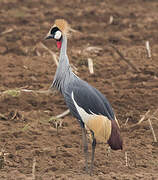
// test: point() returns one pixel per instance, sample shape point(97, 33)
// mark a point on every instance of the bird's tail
point(115, 140)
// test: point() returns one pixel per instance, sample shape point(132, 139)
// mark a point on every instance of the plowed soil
point(113, 34)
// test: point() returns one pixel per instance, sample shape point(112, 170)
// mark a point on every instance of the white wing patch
point(83, 114)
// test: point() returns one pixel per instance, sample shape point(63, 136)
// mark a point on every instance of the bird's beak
point(49, 36)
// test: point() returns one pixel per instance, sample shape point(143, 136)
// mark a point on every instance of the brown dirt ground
point(26, 135)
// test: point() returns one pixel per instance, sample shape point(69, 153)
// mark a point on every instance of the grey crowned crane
point(86, 103)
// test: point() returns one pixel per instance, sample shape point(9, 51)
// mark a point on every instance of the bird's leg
point(85, 146)
point(93, 151)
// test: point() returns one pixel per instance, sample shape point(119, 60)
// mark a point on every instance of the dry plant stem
point(14, 115)
point(155, 112)
point(154, 118)
point(92, 49)
point(123, 58)
point(153, 115)
point(143, 117)
point(90, 66)
point(38, 91)
point(126, 158)
point(38, 53)
point(111, 19)
point(34, 169)
point(148, 49)
point(3, 116)
point(7, 31)
point(151, 127)
point(126, 121)
point(46, 92)
point(73, 30)
point(51, 52)
point(63, 114)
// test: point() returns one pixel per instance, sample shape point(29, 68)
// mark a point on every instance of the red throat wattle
point(58, 44)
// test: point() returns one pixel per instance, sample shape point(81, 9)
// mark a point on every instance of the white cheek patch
point(57, 35)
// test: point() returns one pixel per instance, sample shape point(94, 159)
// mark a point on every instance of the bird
point(86, 103)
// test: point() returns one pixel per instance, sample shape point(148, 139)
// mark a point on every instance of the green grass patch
point(26, 127)
point(13, 93)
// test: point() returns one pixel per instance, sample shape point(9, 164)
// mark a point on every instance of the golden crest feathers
point(62, 25)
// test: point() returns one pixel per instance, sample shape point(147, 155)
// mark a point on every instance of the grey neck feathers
point(63, 50)
point(63, 73)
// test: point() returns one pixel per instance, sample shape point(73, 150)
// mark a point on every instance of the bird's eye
point(57, 35)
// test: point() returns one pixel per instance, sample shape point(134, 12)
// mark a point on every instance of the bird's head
point(57, 31)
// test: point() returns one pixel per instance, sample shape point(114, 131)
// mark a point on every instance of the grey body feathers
point(86, 96)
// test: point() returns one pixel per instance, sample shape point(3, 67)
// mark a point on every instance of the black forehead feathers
point(54, 29)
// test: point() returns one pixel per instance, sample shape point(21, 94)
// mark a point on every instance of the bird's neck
point(63, 69)
point(63, 49)
point(63, 58)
